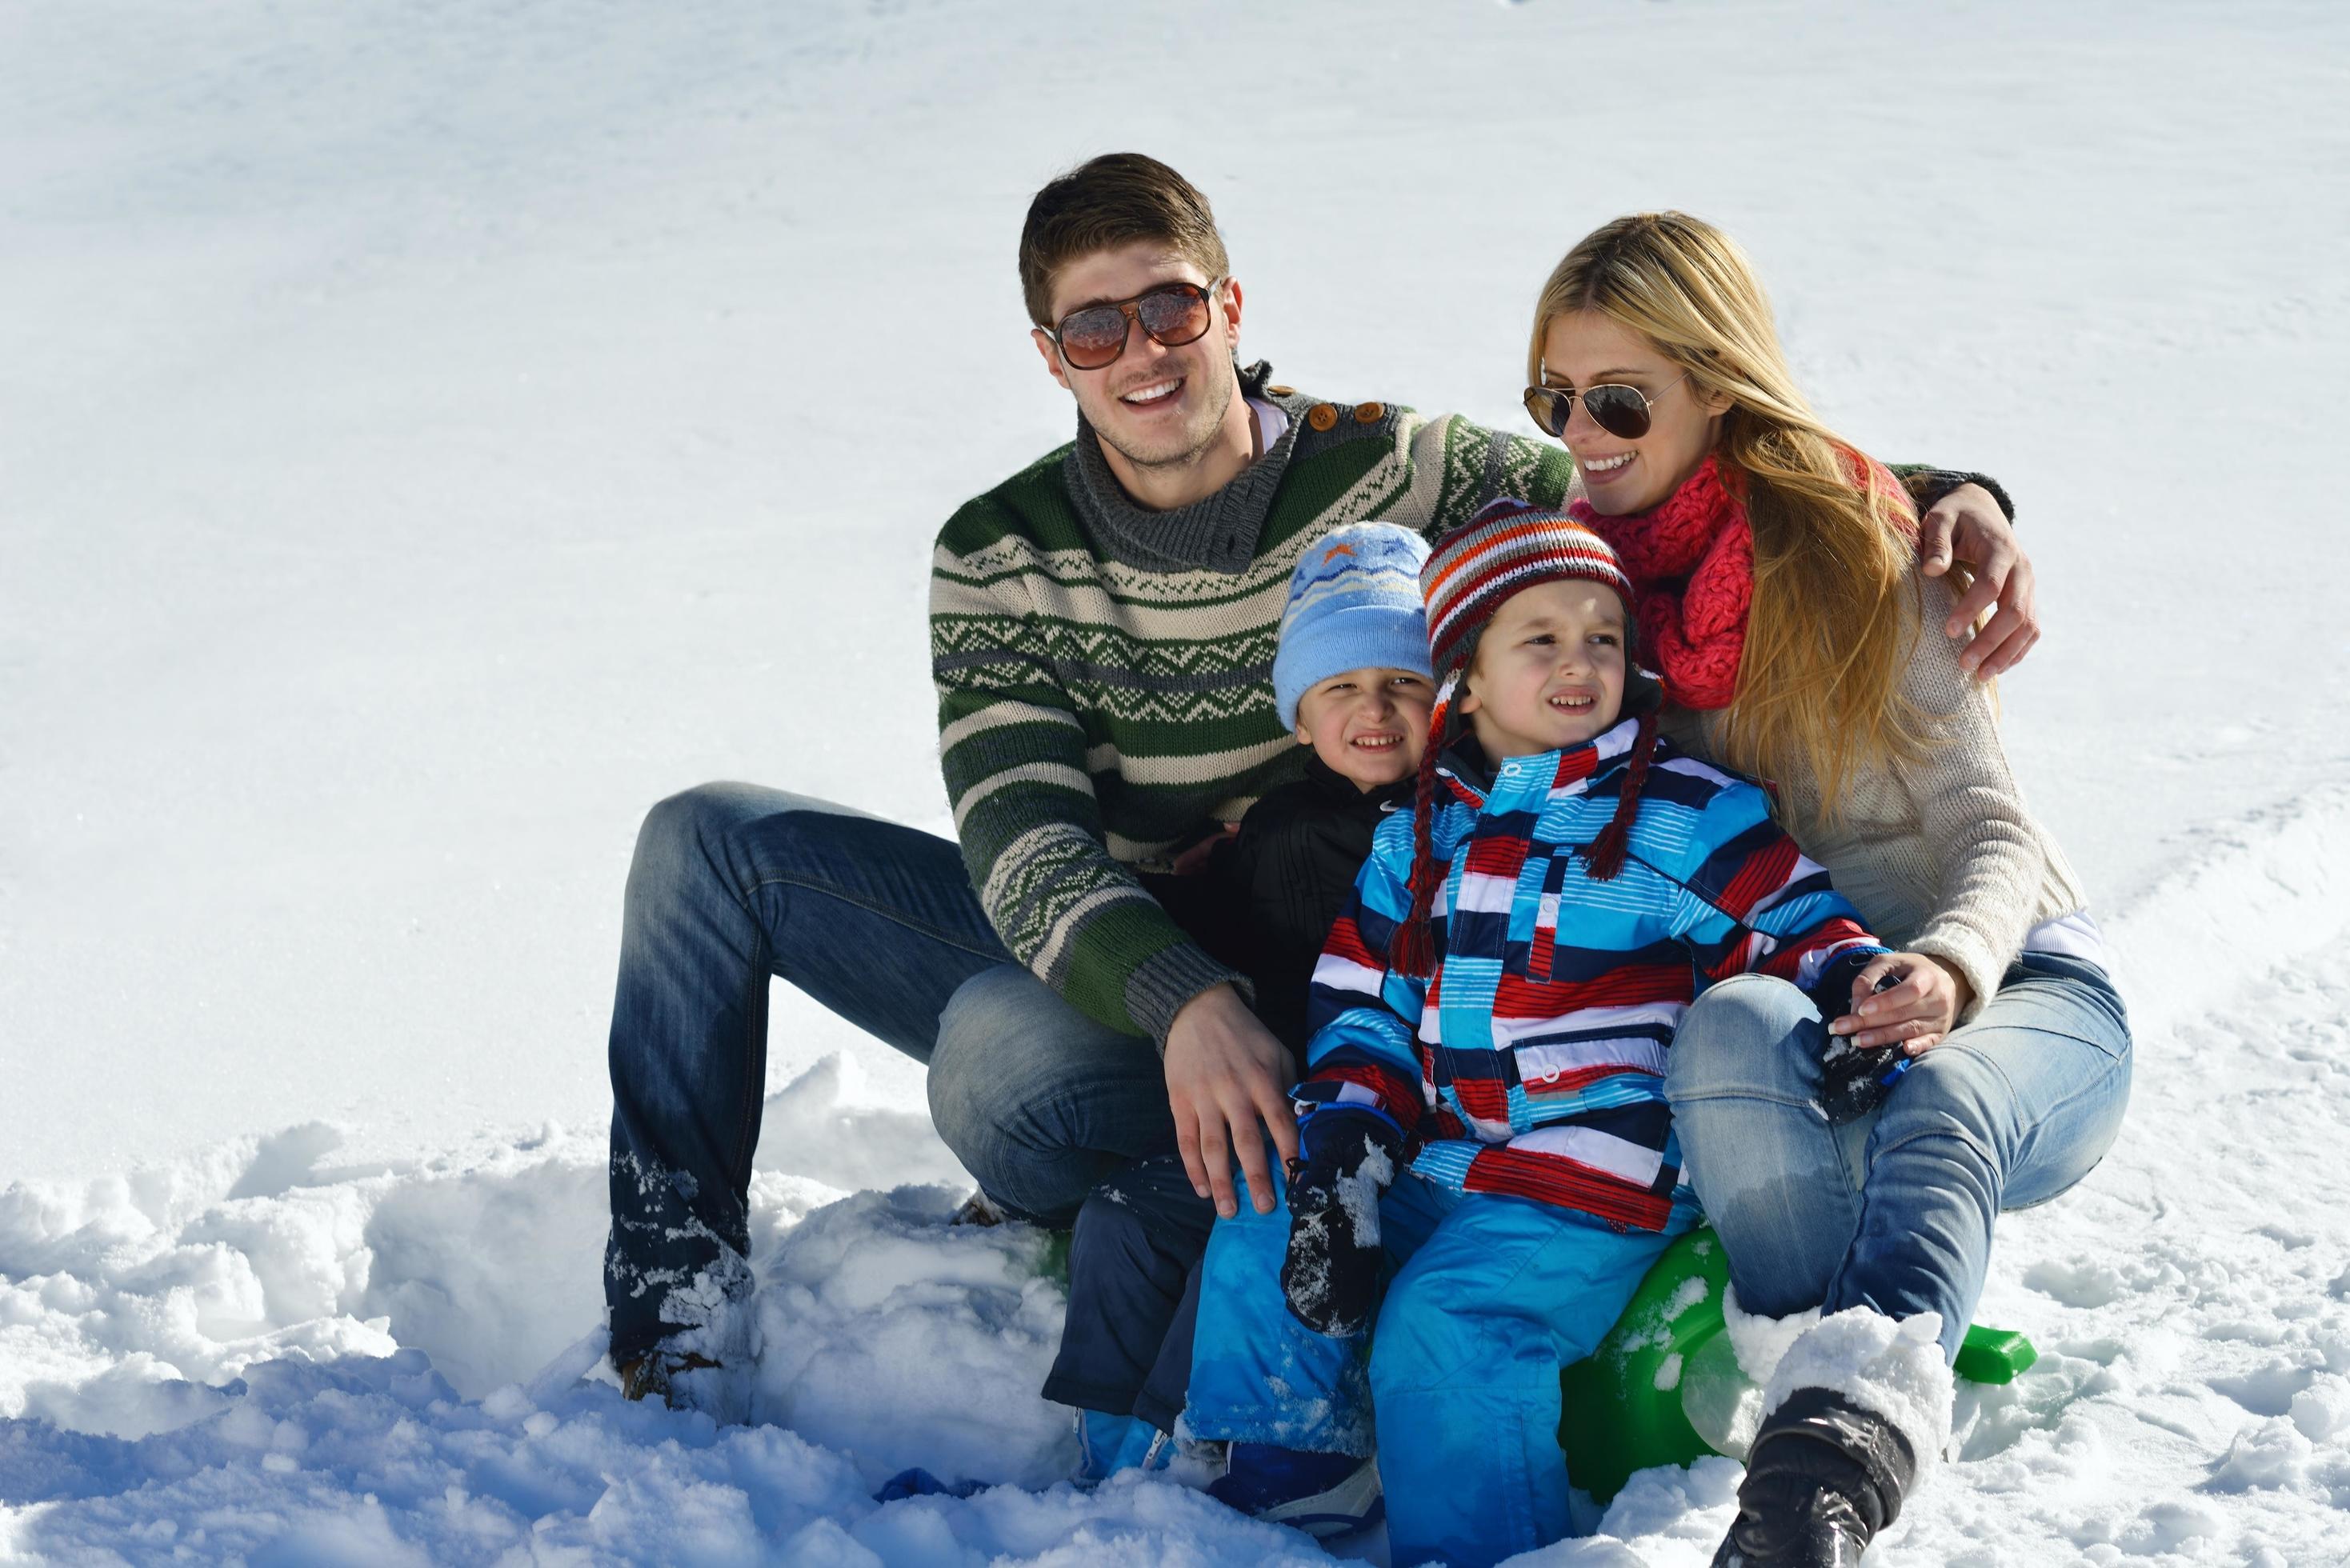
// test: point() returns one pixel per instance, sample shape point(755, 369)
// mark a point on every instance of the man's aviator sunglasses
point(1620, 410)
point(1173, 314)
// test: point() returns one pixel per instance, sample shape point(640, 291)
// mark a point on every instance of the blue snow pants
point(1489, 1298)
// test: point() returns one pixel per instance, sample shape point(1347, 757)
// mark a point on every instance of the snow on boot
point(1195, 1462)
point(978, 1208)
point(650, 1376)
point(1325, 1495)
point(1857, 1411)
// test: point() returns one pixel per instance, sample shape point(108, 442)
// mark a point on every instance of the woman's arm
point(1988, 859)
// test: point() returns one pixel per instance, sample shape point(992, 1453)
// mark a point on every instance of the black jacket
point(1267, 896)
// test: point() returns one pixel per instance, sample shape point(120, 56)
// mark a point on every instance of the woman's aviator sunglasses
point(1620, 410)
point(1173, 314)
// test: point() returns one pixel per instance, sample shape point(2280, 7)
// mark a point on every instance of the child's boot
point(1107, 1444)
point(1323, 1495)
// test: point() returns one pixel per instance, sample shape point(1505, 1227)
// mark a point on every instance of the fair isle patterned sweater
point(1104, 672)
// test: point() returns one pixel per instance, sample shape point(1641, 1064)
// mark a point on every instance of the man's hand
point(1967, 525)
point(1225, 1076)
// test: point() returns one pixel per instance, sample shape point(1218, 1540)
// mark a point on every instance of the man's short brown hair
point(1108, 202)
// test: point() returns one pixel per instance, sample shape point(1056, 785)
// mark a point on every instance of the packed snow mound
point(2245, 894)
point(119, 1295)
point(377, 1461)
point(403, 1364)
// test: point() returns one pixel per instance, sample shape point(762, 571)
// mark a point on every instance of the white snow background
point(430, 434)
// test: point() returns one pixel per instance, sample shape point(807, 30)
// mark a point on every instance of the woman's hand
point(1914, 1011)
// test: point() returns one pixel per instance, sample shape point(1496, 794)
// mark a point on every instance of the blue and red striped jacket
point(1532, 1061)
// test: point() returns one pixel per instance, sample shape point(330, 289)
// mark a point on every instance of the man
point(1102, 638)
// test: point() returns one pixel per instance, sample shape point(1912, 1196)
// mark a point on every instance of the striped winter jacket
point(1532, 1062)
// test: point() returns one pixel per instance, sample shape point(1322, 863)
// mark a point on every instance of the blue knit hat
point(1354, 604)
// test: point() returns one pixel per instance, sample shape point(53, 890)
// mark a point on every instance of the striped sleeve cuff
point(1164, 982)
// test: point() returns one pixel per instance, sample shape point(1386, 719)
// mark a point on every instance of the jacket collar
point(1341, 792)
point(1473, 778)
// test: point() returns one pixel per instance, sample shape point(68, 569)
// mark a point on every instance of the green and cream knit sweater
point(1104, 673)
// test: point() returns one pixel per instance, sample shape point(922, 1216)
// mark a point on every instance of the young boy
point(1483, 1111)
point(1350, 675)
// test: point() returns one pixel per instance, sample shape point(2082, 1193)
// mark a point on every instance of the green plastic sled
point(1667, 1370)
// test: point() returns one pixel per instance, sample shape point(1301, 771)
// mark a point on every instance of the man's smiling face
point(1157, 406)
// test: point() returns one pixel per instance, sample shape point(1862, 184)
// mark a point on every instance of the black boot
point(1824, 1477)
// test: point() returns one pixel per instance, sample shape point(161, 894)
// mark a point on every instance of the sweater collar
point(1218, 534)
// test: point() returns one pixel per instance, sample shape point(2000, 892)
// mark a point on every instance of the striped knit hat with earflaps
point(1508, 548)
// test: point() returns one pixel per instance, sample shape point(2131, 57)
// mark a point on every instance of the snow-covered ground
point(430, 434)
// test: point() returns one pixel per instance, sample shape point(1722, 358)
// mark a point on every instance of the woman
point(1774, 564)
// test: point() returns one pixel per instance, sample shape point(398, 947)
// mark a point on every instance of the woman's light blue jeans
point(732, 884)
point(1893, 1211)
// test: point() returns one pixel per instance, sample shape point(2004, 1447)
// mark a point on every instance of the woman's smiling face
point(1587, 349)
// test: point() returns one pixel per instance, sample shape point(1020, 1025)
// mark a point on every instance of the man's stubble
point(1194, 441)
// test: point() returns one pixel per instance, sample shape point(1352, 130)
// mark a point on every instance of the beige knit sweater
point(1940, 855)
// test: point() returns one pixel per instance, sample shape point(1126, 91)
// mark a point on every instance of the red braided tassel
point(1605, 855)
point(1412, 951)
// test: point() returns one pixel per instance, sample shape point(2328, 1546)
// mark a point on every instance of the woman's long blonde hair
point(1834, 607)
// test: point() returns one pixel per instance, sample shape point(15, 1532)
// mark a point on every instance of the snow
point(1360, 1194)
point(431, 435)
point(1761, 1342)
point(1895, 1369)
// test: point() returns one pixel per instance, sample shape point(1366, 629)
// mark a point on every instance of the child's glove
point(1331, 1275)
point(1854, 1079)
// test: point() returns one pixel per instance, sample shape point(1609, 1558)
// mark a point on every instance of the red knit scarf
point(1692, 562)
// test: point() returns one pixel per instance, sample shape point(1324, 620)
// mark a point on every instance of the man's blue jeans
point(732, 884)
point(1893, 1211)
